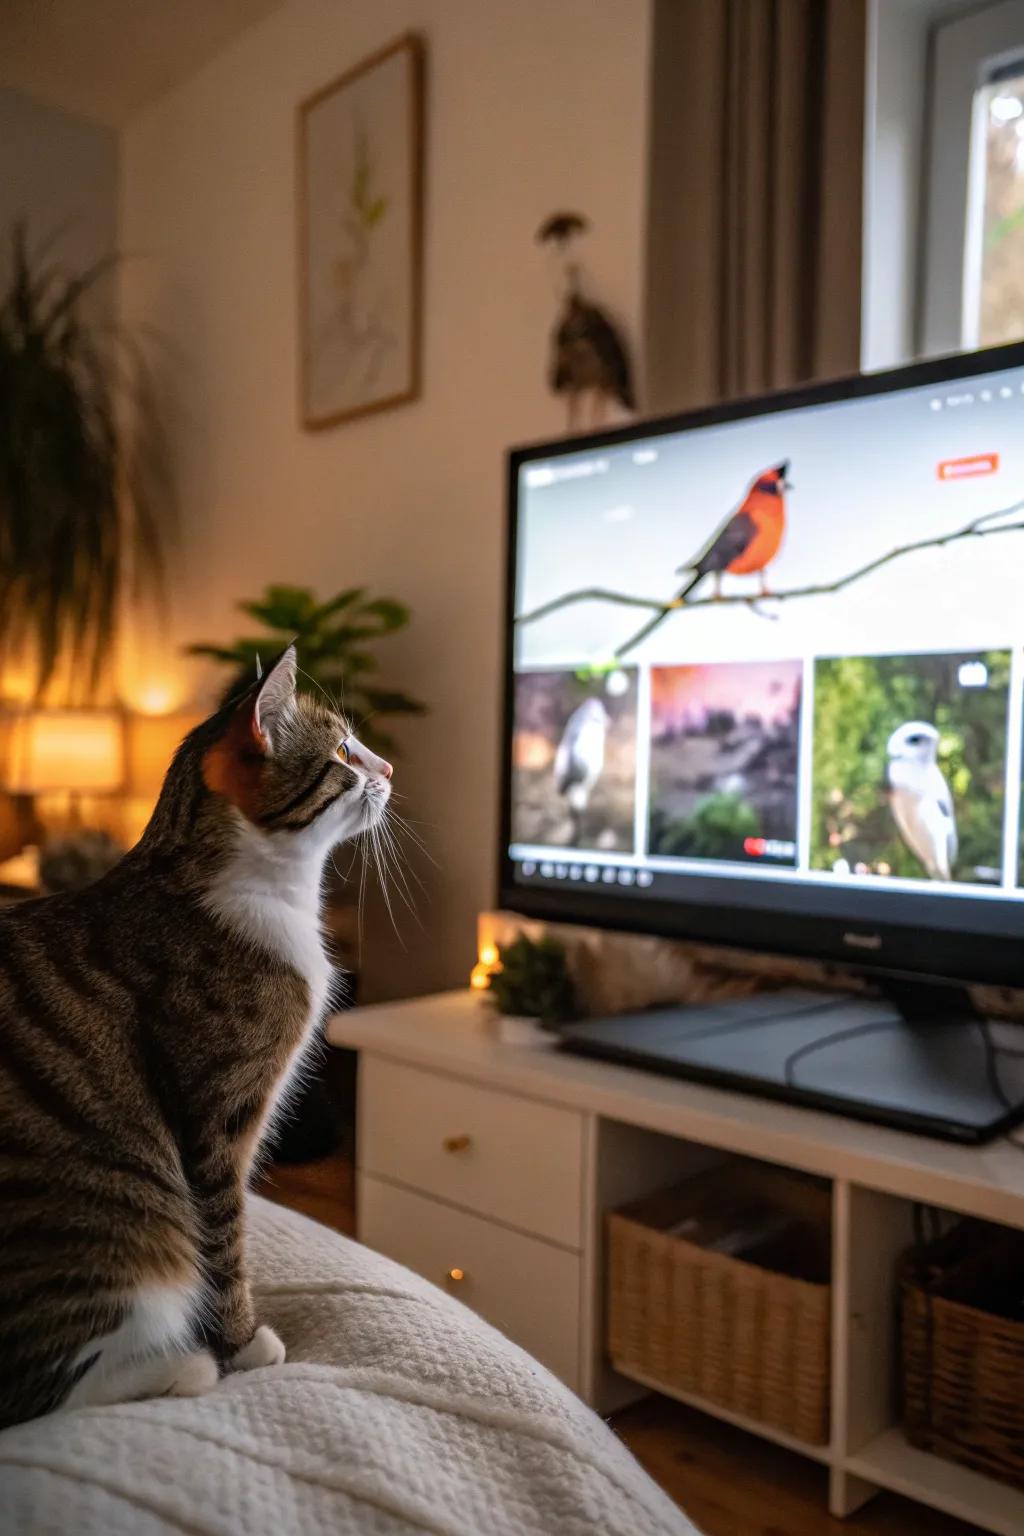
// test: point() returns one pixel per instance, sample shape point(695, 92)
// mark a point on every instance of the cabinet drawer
point(526, 1288)
point(505, 1157)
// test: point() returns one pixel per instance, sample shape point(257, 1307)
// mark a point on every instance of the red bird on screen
point(749, 539)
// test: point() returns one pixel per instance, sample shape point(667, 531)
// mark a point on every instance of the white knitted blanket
point(398, 1411)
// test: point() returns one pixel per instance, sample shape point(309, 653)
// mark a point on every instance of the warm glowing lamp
point(151, 743)
point(155, 698)
point(488, 964)
point(60, 752)
point(69, 751)
point(488, 956)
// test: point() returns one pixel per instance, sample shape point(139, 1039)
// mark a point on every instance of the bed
point(398, 1411)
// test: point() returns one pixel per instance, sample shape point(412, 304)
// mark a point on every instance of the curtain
point(754, 196)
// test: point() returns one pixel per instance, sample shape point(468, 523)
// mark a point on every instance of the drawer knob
point(455, 1276)
point(456, 1143)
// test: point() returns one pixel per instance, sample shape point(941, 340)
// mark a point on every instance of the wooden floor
point(324, 1190)
point(730, 1483)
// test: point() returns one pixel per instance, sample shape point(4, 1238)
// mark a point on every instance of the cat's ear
point(274, 699)
point(232, 766)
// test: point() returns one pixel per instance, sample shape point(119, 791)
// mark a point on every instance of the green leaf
point(288, 609)
point(393, 615)
point(1004, 226)
point(375, 212)
point(336, 604)
point(339, 639)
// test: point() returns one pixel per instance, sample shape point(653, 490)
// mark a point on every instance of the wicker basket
point(745, 1337)
point(962, 1327)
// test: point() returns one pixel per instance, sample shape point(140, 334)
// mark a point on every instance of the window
point(993, 298)
point(973, 256)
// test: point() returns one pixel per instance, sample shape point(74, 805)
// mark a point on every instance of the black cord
point(992, 1050)
point(849, 1033)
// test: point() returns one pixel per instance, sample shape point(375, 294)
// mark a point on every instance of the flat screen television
point(765, 674)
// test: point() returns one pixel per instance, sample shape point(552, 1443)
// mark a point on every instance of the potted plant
point(84, 486)
point(532, 980)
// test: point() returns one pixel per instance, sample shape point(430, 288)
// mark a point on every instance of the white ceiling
point(104, 59)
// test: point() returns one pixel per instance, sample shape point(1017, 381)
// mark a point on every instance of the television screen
point(769, 660)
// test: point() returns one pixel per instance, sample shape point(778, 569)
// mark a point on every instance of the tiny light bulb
point(488, 955)
point(155, 699)
point(479, 978)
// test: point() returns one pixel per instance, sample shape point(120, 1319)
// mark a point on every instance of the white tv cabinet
point(488, 1167)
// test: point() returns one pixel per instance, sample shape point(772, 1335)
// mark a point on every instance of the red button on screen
point(965, 469)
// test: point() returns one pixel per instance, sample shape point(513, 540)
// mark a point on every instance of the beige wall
point(532, 105)
point(58, 175)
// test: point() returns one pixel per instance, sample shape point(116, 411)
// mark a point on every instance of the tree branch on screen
point(979, 528)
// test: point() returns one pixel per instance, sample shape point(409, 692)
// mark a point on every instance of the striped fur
point(147, 1027)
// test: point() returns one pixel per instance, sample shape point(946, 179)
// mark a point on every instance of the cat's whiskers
point(383, 870)
point(361, 900)
point(403, 868)
point(402, 828)
point(390, 860)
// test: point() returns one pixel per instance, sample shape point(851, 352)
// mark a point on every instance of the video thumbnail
point(724, 761)
point(910, 765)
point(574, 759)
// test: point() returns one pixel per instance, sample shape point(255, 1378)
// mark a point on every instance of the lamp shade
point(77, 751)
point(152, 741)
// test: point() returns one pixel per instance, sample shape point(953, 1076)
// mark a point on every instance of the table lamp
point(60, 752)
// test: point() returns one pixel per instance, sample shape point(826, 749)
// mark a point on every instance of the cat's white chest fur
point(269, 893)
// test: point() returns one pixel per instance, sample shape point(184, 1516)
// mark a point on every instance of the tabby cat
point(148, 1027)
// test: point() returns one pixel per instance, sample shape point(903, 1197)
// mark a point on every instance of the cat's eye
point(343, 752)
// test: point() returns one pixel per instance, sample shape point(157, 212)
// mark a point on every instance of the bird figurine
point(749, 539)
point(561, 229)
point(589, 360)
point(579, 757)
point(919, 797)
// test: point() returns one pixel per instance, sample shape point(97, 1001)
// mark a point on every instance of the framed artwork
point(360, 182)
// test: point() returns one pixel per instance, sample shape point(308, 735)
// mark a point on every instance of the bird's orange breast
point(764, 546)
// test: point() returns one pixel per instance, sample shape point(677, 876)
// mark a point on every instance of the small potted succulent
point(531, 980)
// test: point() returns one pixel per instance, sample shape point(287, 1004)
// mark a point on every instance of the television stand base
point(918, 1059)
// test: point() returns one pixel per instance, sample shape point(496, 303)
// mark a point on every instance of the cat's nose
point(362, 757)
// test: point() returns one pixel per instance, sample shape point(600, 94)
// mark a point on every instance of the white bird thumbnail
point(580, 755)
point(919, 796)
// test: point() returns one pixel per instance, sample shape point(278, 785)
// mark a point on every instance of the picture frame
point(359, 174)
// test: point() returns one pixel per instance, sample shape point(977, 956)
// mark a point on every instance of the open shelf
point(892, 1463)
point(820, 1453)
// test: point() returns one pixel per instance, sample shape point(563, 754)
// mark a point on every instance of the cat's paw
point(193, 1375)
point(264, 1348)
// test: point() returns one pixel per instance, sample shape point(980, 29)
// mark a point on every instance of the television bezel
point(885, 948)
